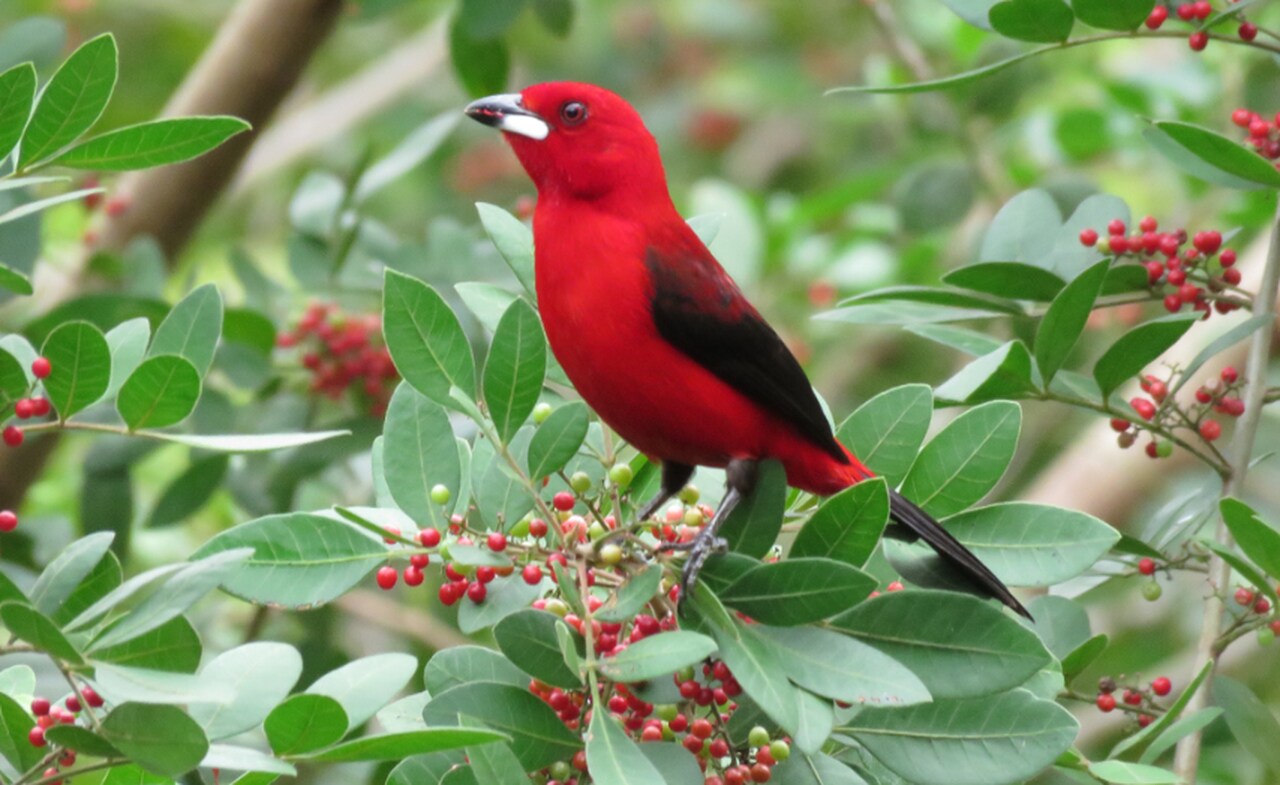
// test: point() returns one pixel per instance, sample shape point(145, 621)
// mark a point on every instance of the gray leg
point(740, 481)
point(674, 477)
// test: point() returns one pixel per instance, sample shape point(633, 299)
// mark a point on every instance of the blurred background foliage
point(818, 198)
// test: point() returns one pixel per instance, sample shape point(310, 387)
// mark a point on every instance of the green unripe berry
point(540, 414)
point(596, 530)
point(557, 606)
point(610, 554)
point(560, 770)
point(684, 674)
point(666, 711)
point(621, 475)
point(580, 482)
point(521, 529)
point(693, 517)
point(1266, 636)
point(1164, 449)
point(780, 750)
point(689, 494)
point(443, 550)
point(758, 737)
point(1103, 245)
point(440, 494)
point(1151, 591)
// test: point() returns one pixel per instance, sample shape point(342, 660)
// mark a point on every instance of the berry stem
point(1187, 756)
point(1145, 707)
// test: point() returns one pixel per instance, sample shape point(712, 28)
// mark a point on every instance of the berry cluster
point(1198, 276)
point(1133, 699)
point(47, 714)
point(1151, 590)
point(29, 407)
point(344, 352)
point(1264, 134)
point(1196, 13)
point(1253, 600)
point(1160, 413)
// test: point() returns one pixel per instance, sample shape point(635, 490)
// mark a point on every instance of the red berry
point(448, 594)
point(563, 501)
point(760, 773)
point(1202, 9)
point(41, 406)
point(40, 706)
point(1244, 596)
point(1088, 237)
point(719, 748)
point(1161, 685)
point(1210, 430)
point(91, 696)
point(538, 527)
point(765, 755)
point(1203, 395)
point(13, 436)
point(1188, 292)
point(1173, 303)
point(497, 541)
point(485, 574)
point(701, 728)
point(1207, 242)
point(392, 533)
point(420, 560)
point(1198, 41)
point(1248, 31)
point(532, 574)
point(386, 577)
point(476, 592)
point(1144, 407)
point(651, 733)
point(429, 538)
point(1152, 450)
point(1116, 226)
point(41, 368)
point(1147, 566)
point(1227, 258)
point(1147, 224)
point(8, 521)
point(1158, 390)
point(1154, 271)
point(1242, 117)
point(1230, 275)
point(36, 737)
point(692, 744)
point(735, 776)
point(24, 408)
point(1177, 277)
point(1157, 17)
point(1229, 375)
point(1132, 698)
point(1186, 12)
point(1144, 720)
point(1259, 128)
point(1232, 407)
point(413, 575)
point(1119, 244)
point(1262, 606)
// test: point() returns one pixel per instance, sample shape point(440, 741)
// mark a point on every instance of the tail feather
point(923, 527)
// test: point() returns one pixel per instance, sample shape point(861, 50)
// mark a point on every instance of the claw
point(700, 549)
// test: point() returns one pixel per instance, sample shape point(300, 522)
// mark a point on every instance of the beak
point(507, 113)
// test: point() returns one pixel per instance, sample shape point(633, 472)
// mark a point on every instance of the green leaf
point(365, 685)
point(676, 765)
point(514, 369)
point(798, 591)
point(505, 597)
point(1210, 156)
point(406, 156)
point(28, 624)
point(657, 655)
point(958, 645)
point(537, 736)
point(15, 281)
point(495, 763)
point(528, 639)
point(81, 364)
point(17, 95)
point(304, 723)
point(13, 380)
point(953, 80)
point(886, 432)
point(846, 527)
point(555, 15)
point(161, 739)
point(18, 682)
point(628, 599)
point(419, 453)
point(40, 205)
point(67, 570)
point(130, 774)
point(1065, 320)
point(803, 769)
point(1113, 14)
point(480, 63)
point(514, 242)
point(1013, 280)
point(1061, 623)
point(488, 18)
point(613, 758)
point(120, 683)
point(189, 491)
point(162, 391)
point(1005, 738)
point(152, 144)
point(252, 678)
point(460, 665)
point(1074, 663)
point(1028, 544)
point(82, 740)
point(393, 746)
point(192, 328)
point(128, 343)
point(1217, 346)
point(1122, 772)
point(1004, 373)
point(172, 646)
point(229, 757)
point(425, 339)
point(248, 442)
point(433, 769)
point(1024, 230)
point(932, 295)
point(1132, 351)
point(965, 461)
point(1249, 719)
point(1260, 542)
point(557, 439)
point(1192, 723)
point(15, 724)
point(842, 668)
point(752, 527)
point(1041, 21)
point(72, 101)
point(299, 559)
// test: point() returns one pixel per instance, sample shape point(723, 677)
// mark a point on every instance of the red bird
point(652, 331)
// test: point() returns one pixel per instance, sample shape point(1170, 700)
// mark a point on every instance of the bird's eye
point(573, 112)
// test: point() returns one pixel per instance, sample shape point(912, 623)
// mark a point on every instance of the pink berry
point(1229, 375)
point(1244, 596)
point(36, 737)
point(41, 368)
point(429, 538)
point(497, 541)
point(531, 574)
point(1210, 430)
point(1088, 237)
point(563, 501)
point(1144, 407)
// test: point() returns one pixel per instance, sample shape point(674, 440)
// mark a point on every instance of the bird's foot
point(700, 549)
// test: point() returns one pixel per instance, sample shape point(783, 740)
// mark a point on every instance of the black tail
point(921, 526)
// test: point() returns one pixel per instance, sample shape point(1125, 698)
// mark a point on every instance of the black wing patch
point(698, 309)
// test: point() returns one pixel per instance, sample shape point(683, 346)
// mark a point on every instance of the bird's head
point(576, 140)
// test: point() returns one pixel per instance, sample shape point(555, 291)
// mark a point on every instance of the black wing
point(700, 310)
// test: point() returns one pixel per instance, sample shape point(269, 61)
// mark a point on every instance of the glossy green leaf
point(798, 591)
point(30, 625)
point(434, 768)
point(128, 343)
point(537, 736)
point(557, 439)
point(305, 723)
point(17, 95)
point(252, 679)
point(160, 739)
point(1002, 374)
point(843, 668)
point(393, 746)
point(528, 639)
point(162, 391)
point(72, 101)
point(847, 526)
point(172, 646)
point(505, 597)
point(419, 453)
point(886, 432)
point(130, 774)
point(1024, 230)
point(959, 645)
point(952, 80)
point(752, 527)
point(61, 577)
point(15, 724)
point(460, 665)
point(189, 491)
point(14, 281)
point(932, 295)
point(82, 740)
point(514, 242)
point(1074, 663)
point(151, 144)
point(1250, 720)
point(514, 368)
point(367, 684)
point(1113, 14)
point(299, 559)
point(613, 758)
point(1004, 738)
point(1192, 723)
point(1210, 156)
point(119, 684)
point(819, 769)
point(1060, 622)
point(495, 763)
point(249, 442)
point(1120, 772)
point(1028, 544)
point(965, 461)
point(426, 340)
point(1134, 350)
point(629, 598)
point(657, 655)
point(192, 328)
point(230, 757)
point(1041, 21)
point(81, 363)
point(13, 380)
point(1012, 280)
point(1260, 542)
point(1064, 321)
